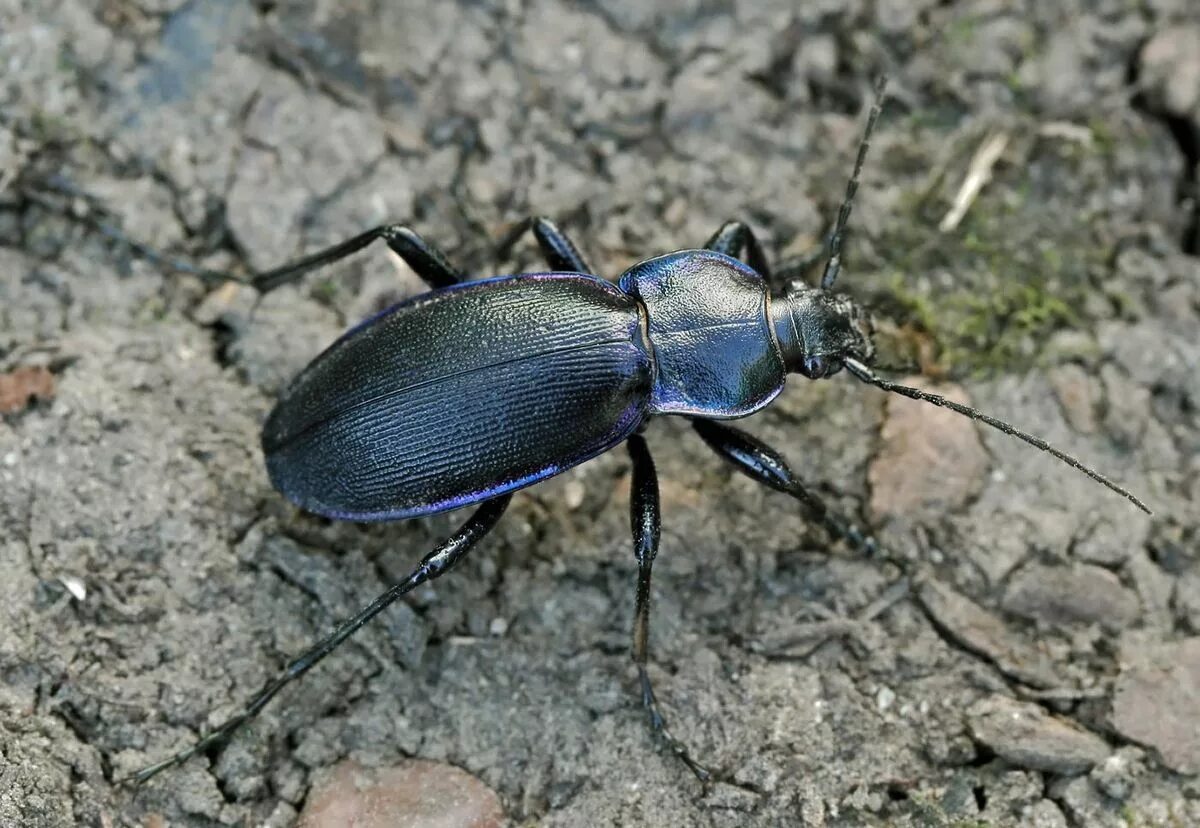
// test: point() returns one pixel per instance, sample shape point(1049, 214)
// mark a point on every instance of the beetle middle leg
point(759, 461)
point(436, 563)
point(427, 261)
point(736, 237)
point(645, 516)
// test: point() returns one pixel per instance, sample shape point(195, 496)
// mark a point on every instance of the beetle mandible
point(476, 389)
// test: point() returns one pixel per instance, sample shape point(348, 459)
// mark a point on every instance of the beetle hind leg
point(560, 252)
point(426, 260)
point(645, 517)
point(436, 563)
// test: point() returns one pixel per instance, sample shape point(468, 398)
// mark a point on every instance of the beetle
point(478, 388)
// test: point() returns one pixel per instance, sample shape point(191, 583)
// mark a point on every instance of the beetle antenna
point(868, 376)
point(834, 264)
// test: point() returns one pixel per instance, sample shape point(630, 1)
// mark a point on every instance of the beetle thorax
point(817, 329)
point(707, 328)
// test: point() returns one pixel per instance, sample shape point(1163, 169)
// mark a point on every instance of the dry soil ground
point(1024, 652)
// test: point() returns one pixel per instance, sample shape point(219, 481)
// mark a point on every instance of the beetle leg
point(436, 563)
point(736, 237)
point(644, 515)
point(797, 267)
point(560, 252)
point(426, 260)
point(761, 462)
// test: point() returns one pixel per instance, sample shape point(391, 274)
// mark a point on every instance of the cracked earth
point(1024, 650)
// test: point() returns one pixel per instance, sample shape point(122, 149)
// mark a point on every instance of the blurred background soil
point(1026, 650)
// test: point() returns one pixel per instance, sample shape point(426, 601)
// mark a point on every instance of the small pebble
point(22, 386)
point(1081, 594)
point(1115, 775)
point(982, 632)
point(1156, 701)
point(930, 460)
point(414, 794)
point(885, 698)
point(1029, 737)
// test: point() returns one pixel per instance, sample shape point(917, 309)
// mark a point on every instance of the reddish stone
point(414, 794)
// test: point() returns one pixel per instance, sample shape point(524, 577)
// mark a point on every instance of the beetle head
point(818, 329)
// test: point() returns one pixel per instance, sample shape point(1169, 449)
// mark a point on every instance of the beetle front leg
point(436, 563)
point(736, 237)
point(645, 517)
point(560, 252)
point(427, 261)
point(796, 268)
point(762, 463)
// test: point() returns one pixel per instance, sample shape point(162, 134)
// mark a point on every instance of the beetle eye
point(815, 367)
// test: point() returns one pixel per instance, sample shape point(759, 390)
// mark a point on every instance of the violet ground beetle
point(400, 416)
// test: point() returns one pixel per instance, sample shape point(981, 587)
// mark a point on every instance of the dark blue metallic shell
point(459, 395)
point(714, 346)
